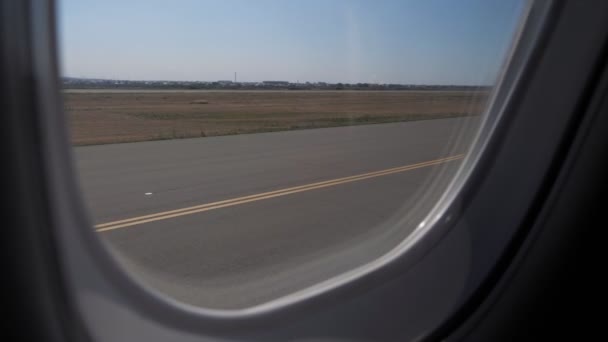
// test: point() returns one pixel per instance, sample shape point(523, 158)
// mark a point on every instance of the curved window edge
point(72, 215)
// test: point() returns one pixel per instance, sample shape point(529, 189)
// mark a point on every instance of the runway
point(234, 221)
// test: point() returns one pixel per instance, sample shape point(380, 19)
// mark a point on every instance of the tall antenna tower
point(235, 77)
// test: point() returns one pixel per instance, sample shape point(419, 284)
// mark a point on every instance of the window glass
point(234, 152)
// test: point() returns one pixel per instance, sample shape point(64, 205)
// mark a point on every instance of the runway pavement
point(234, 221)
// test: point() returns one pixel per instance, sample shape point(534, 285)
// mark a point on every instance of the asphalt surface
point(254, 251)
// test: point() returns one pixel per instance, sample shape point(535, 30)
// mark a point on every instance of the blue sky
point(375, 41)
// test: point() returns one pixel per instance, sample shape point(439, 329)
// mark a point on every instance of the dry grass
point(110, 117)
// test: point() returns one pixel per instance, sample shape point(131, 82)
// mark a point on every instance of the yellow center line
point(265, 195)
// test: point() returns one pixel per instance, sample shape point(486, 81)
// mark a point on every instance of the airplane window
point(235, 152)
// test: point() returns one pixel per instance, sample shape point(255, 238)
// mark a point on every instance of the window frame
point(105, 278)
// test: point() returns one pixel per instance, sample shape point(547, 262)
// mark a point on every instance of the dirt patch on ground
point(113, 117)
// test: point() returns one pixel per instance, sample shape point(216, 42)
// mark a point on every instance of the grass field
point(104, 117)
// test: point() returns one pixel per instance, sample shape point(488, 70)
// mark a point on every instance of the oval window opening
point(235, 152)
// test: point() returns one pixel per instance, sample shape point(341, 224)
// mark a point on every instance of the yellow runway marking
point(265, 195)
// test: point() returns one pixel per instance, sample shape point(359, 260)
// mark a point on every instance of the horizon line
point(290, 82)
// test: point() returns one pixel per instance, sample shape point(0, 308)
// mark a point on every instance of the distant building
point(276, 83)
point(224, 82)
